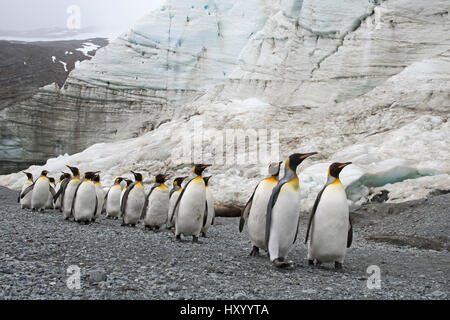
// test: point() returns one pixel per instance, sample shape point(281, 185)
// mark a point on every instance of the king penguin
point(112, 199)
point(329, 223)
point(63, 181)
point(283, 212)
point(210, 204)
point(156, 206)
point(100, 196)
point(84, 204)
point(25, 201)
point(68, 193)
point(173, 197)
point(190, 211)
point(49, 204)
point(41, 192)
point(256, 208)
point(133, 201)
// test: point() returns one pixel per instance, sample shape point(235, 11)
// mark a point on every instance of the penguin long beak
point(307, 155)
point(344, 165)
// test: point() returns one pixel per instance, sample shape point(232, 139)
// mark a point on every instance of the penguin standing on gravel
point(256, 208)
point(156, 205)
point(68, 193)
point(100, 196)
point(283, 212)
point(49, 204)
point(173, 197)
point(190, 211)
point(112, 199)
point(41, 191)
point(63, 181)
point(210, 204)
point(133, 201)
point(329, 223)
point(25, 201)
point(84, 204)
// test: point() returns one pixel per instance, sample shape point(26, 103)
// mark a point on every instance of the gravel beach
point(409, 243)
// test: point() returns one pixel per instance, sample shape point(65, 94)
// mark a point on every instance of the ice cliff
point(355, 80)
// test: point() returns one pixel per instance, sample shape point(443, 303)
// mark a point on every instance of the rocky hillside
point(24, 68)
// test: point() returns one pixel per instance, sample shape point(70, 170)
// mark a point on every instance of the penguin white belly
point(329, 229)
point(135, 204)
point(284, 220)
point(158, 207)
point(113, 201)
point(172, 202)
point(40, 194)
point(84, 206)
point(210, 204)
point(68, 197)
point(100, 199)
point(257, 217)
point(57, 204)
point(25, 202)
point(189, 220)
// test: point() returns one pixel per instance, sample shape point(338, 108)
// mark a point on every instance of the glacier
point(355, 80)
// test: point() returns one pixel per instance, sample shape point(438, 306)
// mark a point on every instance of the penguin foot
point(195, 240)
point(178, 237)
point(203, 235)
point(281, 263)
point(337, 265)
point(254, 252)
point(310, 262)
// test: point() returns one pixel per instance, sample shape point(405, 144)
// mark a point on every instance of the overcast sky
point(107, 14)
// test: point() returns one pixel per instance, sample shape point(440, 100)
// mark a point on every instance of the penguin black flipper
point(125, 198)
point(28, 189)
point(350, 233)
point(178, 200)
point(106, 195)
point(172, 191)
point(96, 206)
point(214, 217)
point(144, 209)
point(296, 233)
point(246, 211)
point(272, 200)
point(313, 212)
point(205, 215)
point(74, 199)
point(63, 186)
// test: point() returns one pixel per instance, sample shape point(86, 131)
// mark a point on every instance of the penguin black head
point(160, 178)
point(178, 181)
point(199, 168)
point(89, 175)
point(118, 180)
point(274, 168)
point(74, 170)
point(295, 159)
point(128, 181)
point(137, 176)
point(65, 176)
point(336, 168)
point(44, 173)
point(206, 179)
point(96, 178)
point(52, 180)
point(29, 175)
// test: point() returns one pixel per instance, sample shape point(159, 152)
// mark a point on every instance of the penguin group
point(272, 213)
point(273, 216)
point(188, 208)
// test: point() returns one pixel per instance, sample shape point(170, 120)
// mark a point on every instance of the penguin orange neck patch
point(336, 182)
